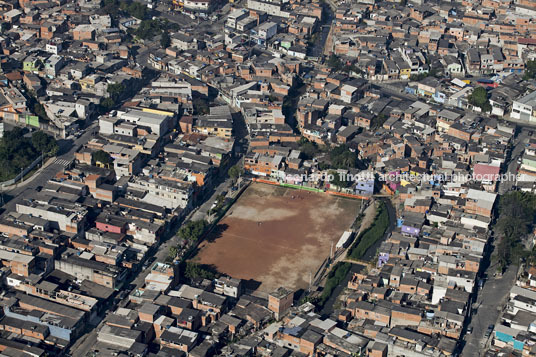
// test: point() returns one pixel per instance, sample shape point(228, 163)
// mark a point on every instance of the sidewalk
point(27, 181)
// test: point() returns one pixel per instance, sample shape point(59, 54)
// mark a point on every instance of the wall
point(24, 172)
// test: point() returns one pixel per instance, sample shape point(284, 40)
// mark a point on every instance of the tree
point(165, 40)
point(342, 158)
point(135, 9)
point(39, 110)
point(192, 230)
point(479, 98)
point(517, 212)
point(173, 252)
point(334, 62)
point(530, 70)
point(44, 143)
point(115, 90)
point(108, 103)
point(235, 171)
point(197, 271)
point(102, 157)
point(308, 149)
point(200, 105)
point(378, 121)
point(16, 152)
point(338, 179)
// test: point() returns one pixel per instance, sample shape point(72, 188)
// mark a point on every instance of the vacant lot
point(277, 236)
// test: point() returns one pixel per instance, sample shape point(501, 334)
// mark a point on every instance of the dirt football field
point(276, 236)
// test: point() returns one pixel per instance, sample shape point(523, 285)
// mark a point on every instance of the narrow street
point(490, 299)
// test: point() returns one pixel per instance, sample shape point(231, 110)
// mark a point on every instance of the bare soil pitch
point(276, 240)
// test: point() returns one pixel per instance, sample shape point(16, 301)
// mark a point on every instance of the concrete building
point(524, 108)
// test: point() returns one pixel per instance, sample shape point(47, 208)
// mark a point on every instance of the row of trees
point(192, 231)
point(18, 151)
point(335, 277)
point(193, 270)
point(371, 235)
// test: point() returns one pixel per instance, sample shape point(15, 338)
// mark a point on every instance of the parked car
point(470, 330)
point(489, 331)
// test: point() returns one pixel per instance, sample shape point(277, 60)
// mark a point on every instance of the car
point(470, 330)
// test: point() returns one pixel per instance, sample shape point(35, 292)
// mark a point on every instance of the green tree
point(338, 179)
point(134, 8)
point(378, 121)
point(44, 143)
point(517, 212)
point(194, 270)
point(371, 235)
point(342, 158)
point(530, 70)
point(16, 153)
point(173, 252)
point(110, 7)
point(102, 157)
point(108, 103)
point(39, 110)
point(335, 277)
point(192, 230)
point(479, 98)
point(334, 62)
point(308, 149)
point(165, 40)
point(235, 171)
point(115, 90)
point(200, 105)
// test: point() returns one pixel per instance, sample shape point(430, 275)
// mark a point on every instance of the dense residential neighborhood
point(267, 178)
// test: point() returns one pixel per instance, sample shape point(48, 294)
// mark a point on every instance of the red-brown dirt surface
point(277, 240)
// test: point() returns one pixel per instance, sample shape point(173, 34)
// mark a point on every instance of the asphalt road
point(519, 145)
point(492, 296)
point(41, 177)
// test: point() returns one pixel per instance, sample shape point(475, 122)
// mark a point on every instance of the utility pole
point(21, 176)
point(310, 280)
point(331, 251)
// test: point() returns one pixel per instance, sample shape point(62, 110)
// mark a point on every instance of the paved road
point(317, 50)
point(41, 177)
point(519, 145)
point(493, 296)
